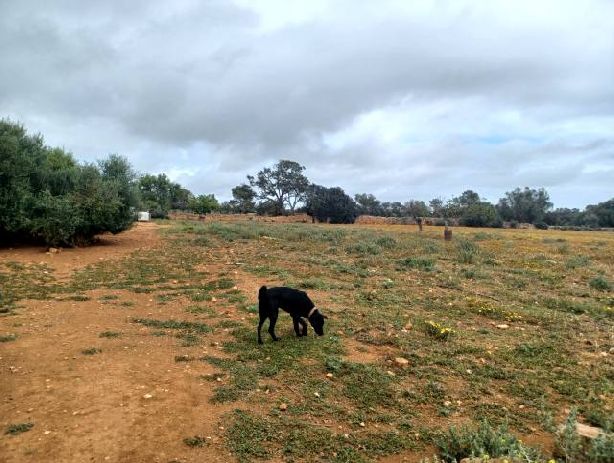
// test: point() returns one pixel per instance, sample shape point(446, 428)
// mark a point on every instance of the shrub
point(541, 225)
point(46, 196)
point(485, 441)
point(467, 251)
point(599, 283)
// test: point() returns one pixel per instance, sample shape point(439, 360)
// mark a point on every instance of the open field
point(143, 348)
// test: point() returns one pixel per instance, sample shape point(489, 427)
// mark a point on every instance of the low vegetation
point(498, 332)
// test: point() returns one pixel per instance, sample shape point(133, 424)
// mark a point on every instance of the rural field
point(143, 348)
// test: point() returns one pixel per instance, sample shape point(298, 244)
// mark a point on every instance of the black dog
point(293, 301)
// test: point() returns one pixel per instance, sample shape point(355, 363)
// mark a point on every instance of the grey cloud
point(152, 79)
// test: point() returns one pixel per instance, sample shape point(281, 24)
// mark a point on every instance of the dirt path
point(130, 402)
point(142, 236)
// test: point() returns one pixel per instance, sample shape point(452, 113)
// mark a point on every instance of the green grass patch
point(196, 327)
point(20, 428)
point(91, 351)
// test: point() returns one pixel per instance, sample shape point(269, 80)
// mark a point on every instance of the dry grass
point(528, 317)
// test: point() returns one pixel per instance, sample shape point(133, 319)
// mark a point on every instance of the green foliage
point(174, 325)
point(243, 197)
point(485, 441)
point(480, 214)
point(467, 251)
point(18, 428)
point(527, 205)
point(438, 331)
point(159, 195)
point(599, 283)
point(203, 204)
point(425, 264)
point(330, 205)
point(46, 196)
point(282, 186)
point(195, 441)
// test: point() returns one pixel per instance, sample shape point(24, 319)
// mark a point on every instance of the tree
point(481, 214)
point(46, 196)
point(180, 197)
point(156, 194)
point(456, 206)
point(416, 209)
point(527, 206)
point(243, 198)
point(284, 184)
point(367, 204)
point(203, 204)
point(602, 212)
point(437, 207)
point(564, 216)
point(330, 205)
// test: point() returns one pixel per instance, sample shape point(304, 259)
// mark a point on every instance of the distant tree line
point(47, 196)
point(284, 189)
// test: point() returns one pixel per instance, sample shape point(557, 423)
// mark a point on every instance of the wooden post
point(447, 233)
point(419, 220)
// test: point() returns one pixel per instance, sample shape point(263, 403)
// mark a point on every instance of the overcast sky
point(402, 99)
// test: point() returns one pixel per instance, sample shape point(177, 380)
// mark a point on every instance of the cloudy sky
point(403, 99)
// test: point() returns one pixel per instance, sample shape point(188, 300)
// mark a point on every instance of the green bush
point(46, 196)
point(485, 441)
point(599, 283)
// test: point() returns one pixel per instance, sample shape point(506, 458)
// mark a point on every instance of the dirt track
point(95, 407)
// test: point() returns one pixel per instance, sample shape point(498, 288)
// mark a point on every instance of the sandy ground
point(130, 403)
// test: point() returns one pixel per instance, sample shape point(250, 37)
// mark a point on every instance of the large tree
point(601, 214)
point(527, 205)
point(203, 204)
point(243, 198)
point(330, 205)
point(368, 204)
point(416, 209)
point(284, 184)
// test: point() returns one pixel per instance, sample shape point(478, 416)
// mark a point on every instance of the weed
point(425, 264)
point(18, 428)
point(467, 251)
point(482, 442)
point(577, 262)
point(91, 351)
point(8, 338)
point(195, 441)
point(110, 334)
point(174, 325)
point(599, 283)
point(438, 331)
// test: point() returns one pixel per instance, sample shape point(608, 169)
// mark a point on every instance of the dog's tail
point(262, 293)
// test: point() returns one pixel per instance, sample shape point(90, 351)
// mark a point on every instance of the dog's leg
point(303, 327)
point(263, 317)
point(297, 321)
point(272, 320)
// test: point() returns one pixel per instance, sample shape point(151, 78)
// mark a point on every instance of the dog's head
point(317, 321)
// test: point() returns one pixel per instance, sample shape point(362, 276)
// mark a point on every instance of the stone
point(503, 326)
point(408, 326)
point(401, 361)
point(283, 407)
